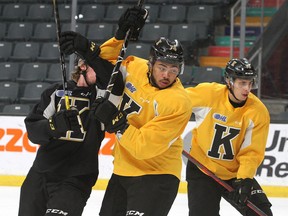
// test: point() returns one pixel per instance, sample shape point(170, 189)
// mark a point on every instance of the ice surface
point(9, 198)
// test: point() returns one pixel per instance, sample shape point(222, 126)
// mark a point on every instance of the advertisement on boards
point(17, 152)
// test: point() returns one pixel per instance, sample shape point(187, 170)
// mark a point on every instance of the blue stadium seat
point(32, 71)
point(152, 31)
point(65, 12)
point(100, 31)
point(49, 52)
point(54, 73)
point(25, 51)
point(200, 13)
point(92, 13)
point(99, 1)
point(14, 12)
point(16, 109)
point(190, 2)
point(207, 74)
point(141, 50)
point(19, 31)
point(79, 27)
point(32, 92)
point(114, 11)
point(6, 48)
point(40, 12)
point(8, 92)
point(9, 71)
point(185, 33)
point(153, 12)
point(172, 13)
point(187, 76)
point(44, 32)
point(3, 30)
point(159, 1)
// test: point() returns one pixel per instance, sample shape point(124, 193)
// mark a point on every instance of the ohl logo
point(131, 87)
point(220, 117)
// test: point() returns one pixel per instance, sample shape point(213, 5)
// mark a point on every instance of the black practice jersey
point(71, 154)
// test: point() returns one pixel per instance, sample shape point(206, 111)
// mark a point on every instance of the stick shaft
point(120, 58)
point(62, 58)
point(220, 181)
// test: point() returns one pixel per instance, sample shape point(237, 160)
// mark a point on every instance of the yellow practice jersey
point(152, 143)
point(228, 141)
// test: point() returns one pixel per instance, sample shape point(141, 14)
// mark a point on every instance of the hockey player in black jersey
point(66, 165)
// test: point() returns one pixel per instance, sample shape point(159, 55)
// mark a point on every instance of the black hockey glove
point(107, 113)
point(71, 42)
point(134, 19)
point(65, 120)
point(242, 191)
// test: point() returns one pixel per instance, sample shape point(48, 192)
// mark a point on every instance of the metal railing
point(233, 13)
point(240, 8)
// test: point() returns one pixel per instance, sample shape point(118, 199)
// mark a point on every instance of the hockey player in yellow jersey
point(153, 113)
point(147, 157)
point(229, 139)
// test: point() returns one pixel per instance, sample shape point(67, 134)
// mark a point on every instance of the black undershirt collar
point(236, 105)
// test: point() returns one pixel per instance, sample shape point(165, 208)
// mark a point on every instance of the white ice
point(9, 198)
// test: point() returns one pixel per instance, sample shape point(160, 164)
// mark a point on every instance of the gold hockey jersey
point(228, 141)
point(152, 143)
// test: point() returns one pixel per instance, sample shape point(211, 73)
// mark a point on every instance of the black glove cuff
point(52, 130)
point(120, 35)
point(105, 110)
point(93, 49)
point(118, 123)
point(92, 54)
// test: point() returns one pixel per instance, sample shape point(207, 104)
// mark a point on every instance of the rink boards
point(17, 154)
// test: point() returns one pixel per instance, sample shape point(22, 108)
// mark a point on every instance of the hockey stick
point(62, 63)
point(62, 59)
point(119, 60)
point(220, 181)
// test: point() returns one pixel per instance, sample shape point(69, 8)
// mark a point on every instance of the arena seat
point(32, 71)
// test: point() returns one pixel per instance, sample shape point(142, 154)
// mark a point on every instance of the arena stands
point(29, 51)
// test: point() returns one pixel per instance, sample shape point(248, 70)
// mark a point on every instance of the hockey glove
point(107, 113)
point(71, 42)
point(65, 120)
point(242, 191)
point(134, 19)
